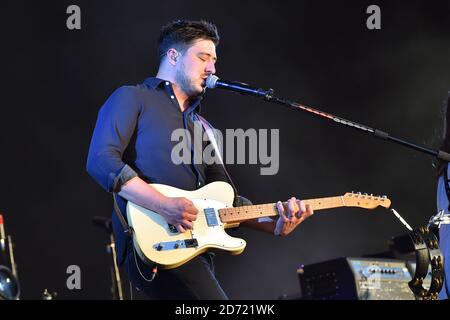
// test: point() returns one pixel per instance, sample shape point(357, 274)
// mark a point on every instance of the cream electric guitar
point(158, 242)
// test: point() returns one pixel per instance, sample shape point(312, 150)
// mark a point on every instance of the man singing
point(131, 147)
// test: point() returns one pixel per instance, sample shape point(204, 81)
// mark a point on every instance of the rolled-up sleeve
point(116, 123)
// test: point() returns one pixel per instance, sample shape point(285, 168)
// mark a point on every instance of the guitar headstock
point(364, 200)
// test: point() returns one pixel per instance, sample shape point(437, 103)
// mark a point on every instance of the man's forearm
point(268, 227)
point(139, 192)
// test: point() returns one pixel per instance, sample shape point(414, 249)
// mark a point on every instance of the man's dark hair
point(181, 34)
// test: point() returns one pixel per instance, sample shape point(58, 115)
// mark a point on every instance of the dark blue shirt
point(133, 130)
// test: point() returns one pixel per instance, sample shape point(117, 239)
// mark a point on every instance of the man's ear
point(173, 56)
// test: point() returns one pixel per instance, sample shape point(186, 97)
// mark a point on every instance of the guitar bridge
point(174, 245)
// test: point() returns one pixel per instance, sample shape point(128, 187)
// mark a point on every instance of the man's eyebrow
point(208, 54)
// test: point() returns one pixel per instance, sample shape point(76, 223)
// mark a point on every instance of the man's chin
point(198, 91)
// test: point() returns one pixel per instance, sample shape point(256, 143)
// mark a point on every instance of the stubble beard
point(186, 84)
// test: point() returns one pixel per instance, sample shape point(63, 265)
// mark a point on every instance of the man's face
point(194, 66)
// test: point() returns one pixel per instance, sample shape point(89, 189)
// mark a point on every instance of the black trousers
point(194, 280)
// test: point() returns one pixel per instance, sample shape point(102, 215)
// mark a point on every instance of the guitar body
point(158, 242)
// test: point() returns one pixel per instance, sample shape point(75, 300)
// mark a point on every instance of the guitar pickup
point(172, 228)
point(174, 245)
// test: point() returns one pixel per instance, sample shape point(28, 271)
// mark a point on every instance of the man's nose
point(210, 68)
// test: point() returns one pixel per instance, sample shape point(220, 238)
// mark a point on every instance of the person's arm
point(179, 212)
point(115, 126)
point(116, 123)
point(297, 212)
point(265, 226)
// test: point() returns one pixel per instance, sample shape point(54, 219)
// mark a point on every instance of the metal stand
point(116, 286)
point(268, 95)
point(115, 274)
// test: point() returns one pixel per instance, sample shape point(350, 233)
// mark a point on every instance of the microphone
point(215, 82)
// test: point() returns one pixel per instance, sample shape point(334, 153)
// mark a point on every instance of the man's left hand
point(297, 212)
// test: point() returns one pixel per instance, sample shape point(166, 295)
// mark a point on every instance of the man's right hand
point(179, 212)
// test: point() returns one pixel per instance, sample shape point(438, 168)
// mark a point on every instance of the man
point(443, 202)
point(131, 147)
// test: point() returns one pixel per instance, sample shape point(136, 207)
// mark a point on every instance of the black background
point(319, 53)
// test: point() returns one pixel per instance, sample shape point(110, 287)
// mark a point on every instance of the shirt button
point(167, 83)
point(172, 97)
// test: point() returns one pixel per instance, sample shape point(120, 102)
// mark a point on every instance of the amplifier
point(356, 279)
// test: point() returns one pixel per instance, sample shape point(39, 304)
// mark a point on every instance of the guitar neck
point(241, 214)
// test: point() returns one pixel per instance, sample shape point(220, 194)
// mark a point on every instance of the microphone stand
point(116, 288)
point(268, 96)
point(432, 255)
point(115, 274)
point(11, 258)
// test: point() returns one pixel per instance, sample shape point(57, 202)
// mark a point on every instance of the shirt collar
point(153, 83)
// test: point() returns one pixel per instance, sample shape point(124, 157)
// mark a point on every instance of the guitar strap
point(210, 132)
point(126, 227)
point(238, 200)
point(125, 174)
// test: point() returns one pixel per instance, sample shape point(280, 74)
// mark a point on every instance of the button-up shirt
point(133, 130)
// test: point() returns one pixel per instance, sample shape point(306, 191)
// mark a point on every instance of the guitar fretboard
point(240, 214)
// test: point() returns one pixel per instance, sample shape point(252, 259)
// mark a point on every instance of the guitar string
point(254, 211)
